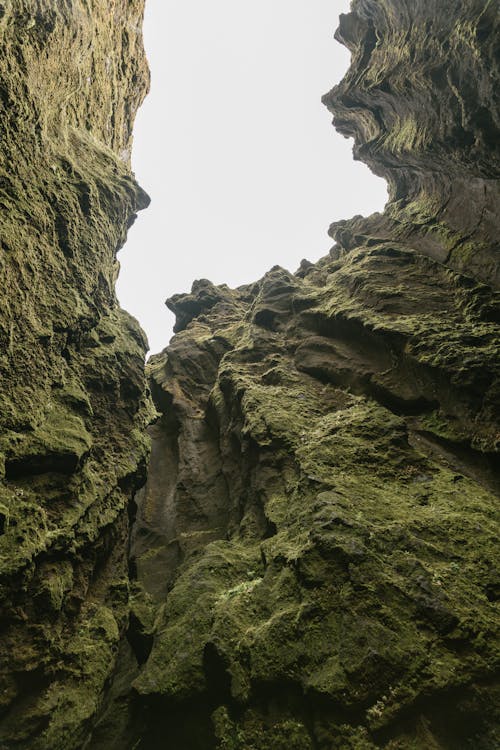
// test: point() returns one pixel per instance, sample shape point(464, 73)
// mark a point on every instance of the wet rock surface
point(72, 392)
point(316, 547)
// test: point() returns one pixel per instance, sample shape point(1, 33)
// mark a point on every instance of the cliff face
point(316, 546)
point(72, 392)
point(422, 103)
point(314, 561)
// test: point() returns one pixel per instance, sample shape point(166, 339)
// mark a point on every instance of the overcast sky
point(243, 166)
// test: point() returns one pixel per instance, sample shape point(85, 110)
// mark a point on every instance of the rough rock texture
point(316, 550)
point(72, 394)
point(421, 100)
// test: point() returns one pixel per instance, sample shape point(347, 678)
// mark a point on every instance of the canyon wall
point(316, 550)
point(313, 561)
point(73, 408)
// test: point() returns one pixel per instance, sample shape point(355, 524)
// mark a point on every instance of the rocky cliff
point(313, 561)
point(72, 392)
point(315, 553)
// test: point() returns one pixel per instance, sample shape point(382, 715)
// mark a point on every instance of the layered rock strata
point(316, 552)
point(72, 394)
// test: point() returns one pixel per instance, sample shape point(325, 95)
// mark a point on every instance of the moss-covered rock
point(322, 497)
point(72, 395)
point(341, 453)
point(314, 563)
point(421, 101)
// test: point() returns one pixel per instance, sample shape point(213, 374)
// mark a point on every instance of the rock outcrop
point(315, 551)
point(313, 562)
point(73, 405)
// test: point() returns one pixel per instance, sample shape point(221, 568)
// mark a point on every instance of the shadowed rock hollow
point(316, 546)
point(314, 562)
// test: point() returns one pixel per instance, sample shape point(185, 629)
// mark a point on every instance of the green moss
point(73, 406)
point(56, 581)
point(368, 574)
point(73, 394)
point(61, 437)
point(358, 599)
point(72, 703)
point(211, 581)
point(255, 735)
point(364, 435)
point(444, 427)
point(144, 608)
point(407, 135)
point(26, 531)
point(348, 415)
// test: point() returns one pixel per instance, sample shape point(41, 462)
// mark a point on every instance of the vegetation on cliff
point(322, 495)
point(314, 561)
point(72, 393)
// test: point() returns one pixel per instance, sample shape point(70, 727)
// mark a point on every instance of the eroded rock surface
point(316, 546)
point(72, 392)
point(421, 100)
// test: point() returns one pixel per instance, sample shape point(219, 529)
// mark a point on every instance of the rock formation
point(72, 392)
point(313, 563)
point(316, 552)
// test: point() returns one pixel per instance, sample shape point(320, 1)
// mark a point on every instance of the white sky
point(238, 154)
